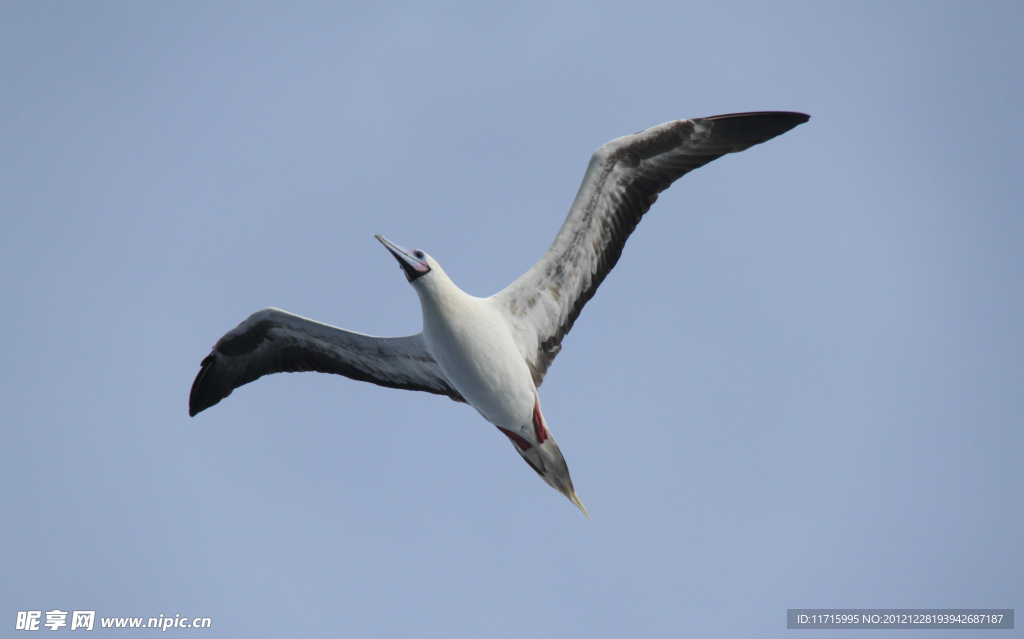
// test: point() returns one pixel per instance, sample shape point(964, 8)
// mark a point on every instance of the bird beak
point(413, 262)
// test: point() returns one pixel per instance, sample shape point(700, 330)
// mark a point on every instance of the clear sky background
point(800, 387)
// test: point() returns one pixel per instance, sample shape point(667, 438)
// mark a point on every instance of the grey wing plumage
point(274, 341)
point(622, 181)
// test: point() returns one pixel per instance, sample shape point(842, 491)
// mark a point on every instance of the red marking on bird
point(539, 429)
point(521, 443)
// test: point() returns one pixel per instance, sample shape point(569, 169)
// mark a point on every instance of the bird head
point(414, 262)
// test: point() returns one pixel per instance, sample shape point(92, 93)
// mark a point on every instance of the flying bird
point(493, 353)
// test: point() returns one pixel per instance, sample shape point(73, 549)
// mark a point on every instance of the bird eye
point(418, 254)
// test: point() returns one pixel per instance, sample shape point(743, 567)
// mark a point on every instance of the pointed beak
point(413, 262)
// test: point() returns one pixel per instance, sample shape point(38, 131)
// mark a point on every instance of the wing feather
point(275, 341)
point(622, 181)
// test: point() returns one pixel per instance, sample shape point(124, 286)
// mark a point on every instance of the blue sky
point(800, 387)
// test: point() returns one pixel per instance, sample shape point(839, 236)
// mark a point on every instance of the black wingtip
point(794, 118)
point(201, 396)
point(754, 128)
point(194, 408)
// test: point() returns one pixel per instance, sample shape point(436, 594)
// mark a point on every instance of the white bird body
point(471, 342)
point(493, 353)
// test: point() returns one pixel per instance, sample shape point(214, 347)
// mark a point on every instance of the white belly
point(476, 353)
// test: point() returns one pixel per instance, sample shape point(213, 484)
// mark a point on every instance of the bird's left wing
point(622, 181)
point(274, 341)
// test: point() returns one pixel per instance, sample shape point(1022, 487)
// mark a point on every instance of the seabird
point(492, 353)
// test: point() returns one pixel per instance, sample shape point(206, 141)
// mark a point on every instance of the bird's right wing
point(623, 179)
point(274, 341)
